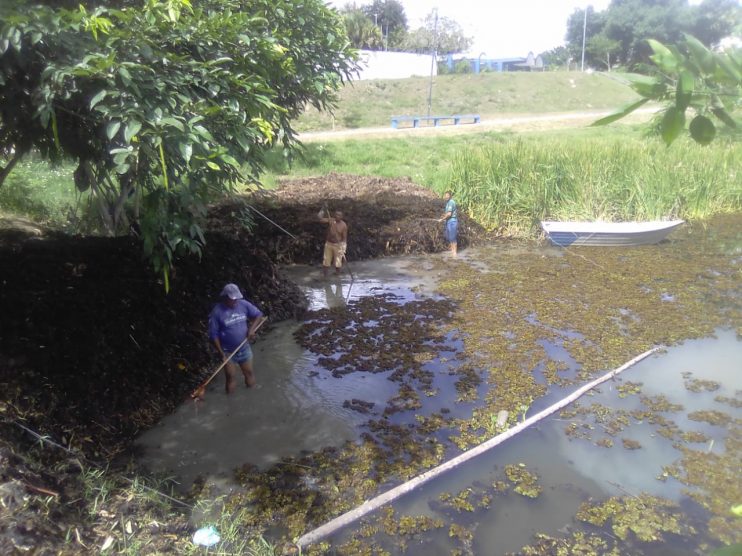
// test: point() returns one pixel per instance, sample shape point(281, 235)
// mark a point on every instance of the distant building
point(480, 63)
point(377, 64)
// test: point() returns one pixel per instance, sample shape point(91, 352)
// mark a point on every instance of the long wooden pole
point(375, 503)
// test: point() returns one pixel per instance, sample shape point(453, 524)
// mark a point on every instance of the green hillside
point(372, 103)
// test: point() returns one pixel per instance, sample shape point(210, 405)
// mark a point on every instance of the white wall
point(393, 65)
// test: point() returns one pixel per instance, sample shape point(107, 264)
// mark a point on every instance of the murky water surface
point(297, 405)
point(301, 407)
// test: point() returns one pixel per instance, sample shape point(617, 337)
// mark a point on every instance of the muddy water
point(295, 407)
point(573, 471)
point(300, 406)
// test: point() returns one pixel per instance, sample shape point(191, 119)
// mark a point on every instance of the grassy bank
point(372, 103)
point(503, 181)
point(515, 184)
point(511, 183)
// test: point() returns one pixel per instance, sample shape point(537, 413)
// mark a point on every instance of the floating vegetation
point(649, 518)
point(630, 444)
point(577, 543)
point(459, 502)
point(698, 385)
point(693, 436)
point(711, 416)
point(526, 483)
point(713, 482)
point(659, 403)
point(629, 388)
point(358, 405)
point(733, 402)
point(513, 330)
point(605, 443)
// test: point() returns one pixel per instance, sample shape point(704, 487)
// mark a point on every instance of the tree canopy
point(440, 34)
point(621, 31)
point(163, 103)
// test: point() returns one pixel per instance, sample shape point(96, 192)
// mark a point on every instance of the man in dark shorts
point(336, 242)
point(231, 321)
point(451, 218)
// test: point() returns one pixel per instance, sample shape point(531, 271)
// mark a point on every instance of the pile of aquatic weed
point(385, 216)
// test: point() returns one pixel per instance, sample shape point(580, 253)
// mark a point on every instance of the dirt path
point(500, 122)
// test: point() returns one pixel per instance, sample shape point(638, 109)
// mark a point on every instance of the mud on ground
point(93, 351)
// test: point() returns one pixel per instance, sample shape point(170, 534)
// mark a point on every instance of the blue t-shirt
point(451, 207)
point(231, 325)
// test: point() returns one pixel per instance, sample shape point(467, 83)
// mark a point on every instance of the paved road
point(509, 122)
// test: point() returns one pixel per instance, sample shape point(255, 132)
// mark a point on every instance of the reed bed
point(513, 185)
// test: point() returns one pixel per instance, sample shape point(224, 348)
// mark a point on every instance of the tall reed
point(514, 184)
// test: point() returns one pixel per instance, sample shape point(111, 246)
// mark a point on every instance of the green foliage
point(515, 184)
point(389, 15)
point(690, 77)
point(362, 33)
point(629, 23)
point(163, 104)
point(440, 34)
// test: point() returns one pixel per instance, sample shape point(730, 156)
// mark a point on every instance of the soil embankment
point(92, 350)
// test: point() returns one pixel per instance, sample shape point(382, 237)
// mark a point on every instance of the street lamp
point(584, 32)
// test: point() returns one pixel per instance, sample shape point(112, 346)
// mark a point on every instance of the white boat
point(566, 234)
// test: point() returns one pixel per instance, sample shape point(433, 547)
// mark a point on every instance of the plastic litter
point(206, 536)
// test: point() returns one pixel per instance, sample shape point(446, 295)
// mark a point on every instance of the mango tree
point(690, 79)
point(164, 104)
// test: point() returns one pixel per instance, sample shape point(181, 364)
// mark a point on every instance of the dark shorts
point(452, 230)
point(245, 354)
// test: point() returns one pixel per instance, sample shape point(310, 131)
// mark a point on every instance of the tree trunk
point(9, 167)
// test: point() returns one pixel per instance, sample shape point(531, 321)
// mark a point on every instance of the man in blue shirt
point(228, 328)
point(450, 216)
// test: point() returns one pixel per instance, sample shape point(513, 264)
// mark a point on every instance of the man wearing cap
point(231, 321)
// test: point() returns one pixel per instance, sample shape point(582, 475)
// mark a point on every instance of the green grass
point(512, 182)
point(372, 103)
point(41, 192)
point(502, 180)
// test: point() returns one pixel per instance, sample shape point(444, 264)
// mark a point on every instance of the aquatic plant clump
point(648, 518)
point(526, 483)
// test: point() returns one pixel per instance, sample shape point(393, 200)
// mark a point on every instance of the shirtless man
point(335, 242)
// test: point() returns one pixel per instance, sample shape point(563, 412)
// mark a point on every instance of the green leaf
point(100, 95)
point(663, 56)
point(173, 122)
point(724, 116)
point(230, 160)
point(623, 112)
point(701, 55)
point(120, 158)
point(186, 151)
point(212, 165)
point(648, 87)
point(686, 84)
point(132, 128)
point(112, 129)
point(125, 76)
point(728, 66)
point(673, 122)
point(702, 130)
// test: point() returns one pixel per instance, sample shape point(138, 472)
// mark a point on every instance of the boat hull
point(608, 234)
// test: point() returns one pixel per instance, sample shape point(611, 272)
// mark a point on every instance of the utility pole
point(584, 33)
point(433, 59)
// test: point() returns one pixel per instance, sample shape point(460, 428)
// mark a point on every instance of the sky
point(502, 28)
